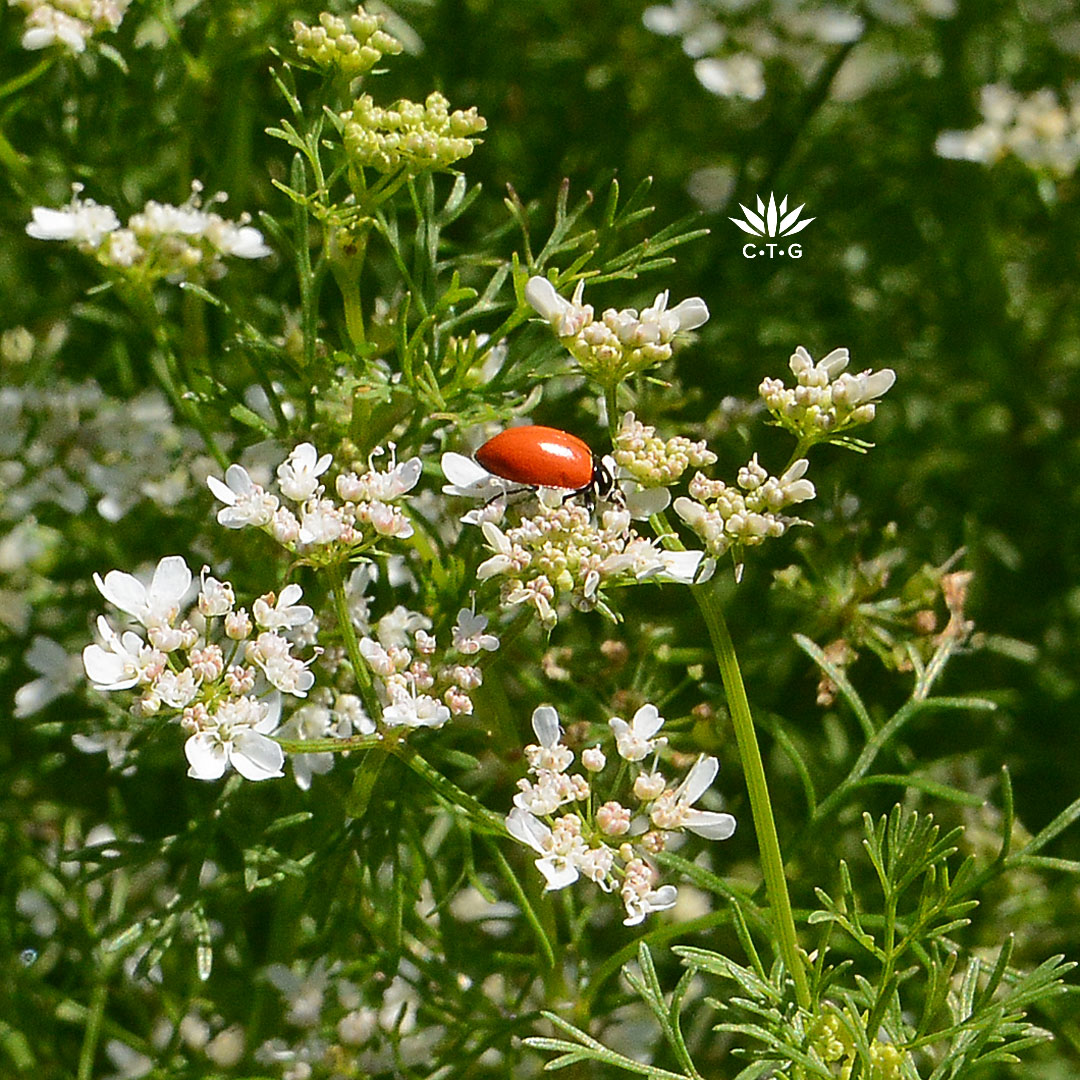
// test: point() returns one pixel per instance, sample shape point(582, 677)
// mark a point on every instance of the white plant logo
point(772, 221)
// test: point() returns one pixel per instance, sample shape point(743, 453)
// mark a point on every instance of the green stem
point(611, 400)
point(95, 1016)
point(361, 672)
point(354, 312)
point(772, 862)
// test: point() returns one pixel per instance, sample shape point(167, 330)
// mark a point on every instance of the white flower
point(47, 25)
point(415, 710)
point(394, 628)
point(321, 522)
point(639, 896)
point(310, 721)
point(285, 614)
point(472, 481)
point(241, 241)
point(121, 663)
point(550, 755)
point(298, 475)
point(236, 736)
point(740, 75)
point(216, 598)
point(675, 809)
point(502, 560)
point(82, 221)
point(155, 606)
point(287, 673)
point(246, 503)
point(566, 317)
point(469, 636)
point(396, 481)
point(59, 672)
point(559, 869)
point(176, 689)
point(635, 740)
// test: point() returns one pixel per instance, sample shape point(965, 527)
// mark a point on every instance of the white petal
point(462, 471)
point(644, 502)
point(106, 669)
point(698, 780)
point(124, 591)
point(647, 722)
point(663, 898)
point(681, 566)
point(557, 871)
point(545, 722)
point(709, 825)
point(408, 474)
point(289, 595)
point(691, 313)
point(206, 757)
point(541, 294)
point(221, 491)
point(257, 757)
point(172, 579)
point(528, 829)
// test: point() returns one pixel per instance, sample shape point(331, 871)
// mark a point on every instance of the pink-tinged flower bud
point(613, 819)
point(649, 786)
point(593, 759)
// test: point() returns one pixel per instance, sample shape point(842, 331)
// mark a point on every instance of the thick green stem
point(772, 863)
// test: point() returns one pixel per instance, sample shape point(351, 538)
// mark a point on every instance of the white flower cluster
point(554, 812)
point(373, 1025)
point(653, 462)
point(619, 343)
point(222, 670)
point(409, 135)
point(352, 46)
point(68, 23)
point(319, 528)
point(726, 517)
point(181, 243)
point(826, 400)
point(415, 688)
point(561, 553)
point(68, 443)
point(1038, 129)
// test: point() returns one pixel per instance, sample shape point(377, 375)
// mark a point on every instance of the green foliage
point(157, 925)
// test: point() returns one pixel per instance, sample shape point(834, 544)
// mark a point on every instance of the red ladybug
point(545, 457)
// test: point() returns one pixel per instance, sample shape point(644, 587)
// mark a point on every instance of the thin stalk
point(95, 1017)
point(611, 400)
point(772, 862)
point(364, 682)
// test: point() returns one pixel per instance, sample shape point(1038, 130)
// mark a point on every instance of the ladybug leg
point(507, 492)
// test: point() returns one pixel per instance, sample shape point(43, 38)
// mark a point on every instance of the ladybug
point(546, 457)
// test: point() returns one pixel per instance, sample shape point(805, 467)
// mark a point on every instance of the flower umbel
point(826, 401)
point(181, 243)
point(322, 531)
point(730, 518)
point(351, 46)
point(409, 136)
point(223, 686)
point(603, 844)
point(620, 343)
point(561, 553)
